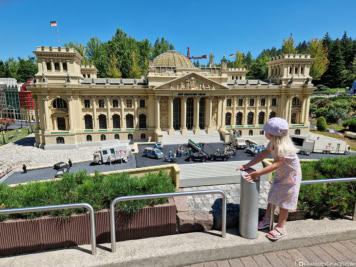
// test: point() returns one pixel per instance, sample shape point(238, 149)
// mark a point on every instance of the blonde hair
point(282, 146)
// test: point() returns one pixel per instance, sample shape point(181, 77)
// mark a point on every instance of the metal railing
point(61, 207)
point(323, 181)
point(165, 195)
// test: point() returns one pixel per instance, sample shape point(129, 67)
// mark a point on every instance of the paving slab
point(192, 248)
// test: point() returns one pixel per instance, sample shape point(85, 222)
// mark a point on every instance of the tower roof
point(172, 58)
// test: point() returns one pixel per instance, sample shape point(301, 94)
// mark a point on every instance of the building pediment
point(192, 81)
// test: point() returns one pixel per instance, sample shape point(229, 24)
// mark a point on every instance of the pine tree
point(347, 50)
point(334, 77)
point(327, 41)
point(248, 60)
point(288, 46)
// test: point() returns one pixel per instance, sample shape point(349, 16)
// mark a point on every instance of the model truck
point(308, 144)
point(112, 154)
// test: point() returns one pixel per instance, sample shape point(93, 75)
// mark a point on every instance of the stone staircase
point(203, 137)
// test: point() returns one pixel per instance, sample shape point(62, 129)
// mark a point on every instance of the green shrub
point(351, 123)
point(321, 124)
point(334, 199)
point(98, 190)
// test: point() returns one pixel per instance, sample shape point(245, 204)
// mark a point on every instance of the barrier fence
point(62, 207)
point(323, 181)
point(166, 195)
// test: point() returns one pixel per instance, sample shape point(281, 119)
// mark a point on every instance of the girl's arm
point(254, 175)
point(261, 156)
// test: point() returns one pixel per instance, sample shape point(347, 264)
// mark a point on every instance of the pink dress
point(286, 184)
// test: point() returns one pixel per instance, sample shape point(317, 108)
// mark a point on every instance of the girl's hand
point(243, 168)
point(251, 177)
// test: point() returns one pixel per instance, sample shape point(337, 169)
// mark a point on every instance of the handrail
point(307, 182)
point(60, 207)
point(164, 195)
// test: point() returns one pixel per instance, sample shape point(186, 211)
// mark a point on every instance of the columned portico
point(184, 115)
point(196, 115)
point(157, 113)
point(170, 115)
point(209, 109)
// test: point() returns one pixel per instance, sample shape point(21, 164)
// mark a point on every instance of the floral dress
point(286, 184)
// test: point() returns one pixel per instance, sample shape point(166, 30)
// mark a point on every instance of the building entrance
point(202, 113)
point(176, 114)
point(190, 113)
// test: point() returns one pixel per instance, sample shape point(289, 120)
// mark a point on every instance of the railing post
point(354, 217)
point(271, 216)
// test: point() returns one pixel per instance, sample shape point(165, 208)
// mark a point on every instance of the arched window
point(89, 139)
point(228, 118)
point(250, 118)
point(117, 136)
point(59, 103)
point(262, 132)
point(250, 132)
point(88, 122)
point(56, 66)
point(116, 121)
point(61, 123)
point(102, 137)
point(129, 121)
point(272, 115)
point(143, 136)
point(297, 132)
point(142, 121)
point(239, 118)
point(60, 140)
point(295, 101)
point(294, 118)
point(102, 121)
point(261, 118)
point(130, 137)
point(239, 132)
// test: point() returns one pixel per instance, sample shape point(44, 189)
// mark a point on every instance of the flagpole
point(57, 34)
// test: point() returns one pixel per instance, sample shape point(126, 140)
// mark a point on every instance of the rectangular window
point(65, 67)
point(263, 102)
point(86, 103)
point(115, 103)
point(274, 102)
point(142, 103)
point(229, 102)
point(241, 102)
point(252, 102)
point(49, 66)
point(101, 103)
point(129, 103)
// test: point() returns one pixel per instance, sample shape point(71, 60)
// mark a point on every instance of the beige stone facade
point(75, 108)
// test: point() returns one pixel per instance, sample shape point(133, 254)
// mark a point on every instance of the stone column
point(302, 112)
point(306, 114)
point(157, 113)
point(95, 119)
point(44, 66)
point(245, 111)
point(268, 108)
point(196, 115)
point(70, 113)
point(233, 116)
point(52, 65)
point(170, 115)
point(36, 114)
point(256, 110)
point(135, 113)
point(183, 102)
point(218, 117)
point(60, 66)
point(47, 115)
point(289, 98)
point(209, 113)
point(122, 114)
point(109, 119)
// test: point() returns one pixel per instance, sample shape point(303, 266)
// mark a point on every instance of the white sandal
point(276, 233)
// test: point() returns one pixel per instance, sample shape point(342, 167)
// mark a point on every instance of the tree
point(288, 46)
point(350, 75)
point(351, 123)
point(5, 122)
point(302, 48)
point(114, 72)
point(81, 49)
point(334, 77)
point(259, 68)
point(346, 50)
point(135, 68)
point(248, 60)
point(321, 112)
point(327, 41)
point(27, 68)
point(321, 124)
point(161, 46)
point(239, 60)
point(320, 55)
point(97, 53)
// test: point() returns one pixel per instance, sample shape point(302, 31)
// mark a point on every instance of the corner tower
point(290, 69)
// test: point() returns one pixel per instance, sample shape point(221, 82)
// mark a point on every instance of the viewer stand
point(249, 206)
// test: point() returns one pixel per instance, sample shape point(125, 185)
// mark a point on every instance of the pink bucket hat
point(276, 126)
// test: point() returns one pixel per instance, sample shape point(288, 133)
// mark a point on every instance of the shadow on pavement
point(26, 141)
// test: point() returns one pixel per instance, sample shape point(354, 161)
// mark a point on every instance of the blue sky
point(218, 27)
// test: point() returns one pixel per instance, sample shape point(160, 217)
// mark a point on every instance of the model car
point(152, 152)
point(250, 149)
point(61, 171)
point(158, 145)
point(220, 156)
point(198, 156)
point(60, 165)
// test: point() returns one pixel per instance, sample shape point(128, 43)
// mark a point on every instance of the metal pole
point(61, 207)
point(165, 195)
point(354, 217)
point(271, 216)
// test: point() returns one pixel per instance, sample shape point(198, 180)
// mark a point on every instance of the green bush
point(321, 124)
point(321, 112)
point(98, 190)
point(351, 123)
point(328, 200)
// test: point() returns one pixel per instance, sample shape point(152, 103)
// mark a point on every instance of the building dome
point(172, 58)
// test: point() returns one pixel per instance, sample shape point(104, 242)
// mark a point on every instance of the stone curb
point(188, 249)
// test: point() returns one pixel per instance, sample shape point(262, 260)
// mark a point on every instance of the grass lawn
point(351, 142)
point(19, 133)
point(332, 91)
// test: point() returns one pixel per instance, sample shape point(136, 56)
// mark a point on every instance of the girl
point(285, 188)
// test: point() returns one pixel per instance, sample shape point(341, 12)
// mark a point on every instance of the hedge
point(328, 200)
point(98, 190)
